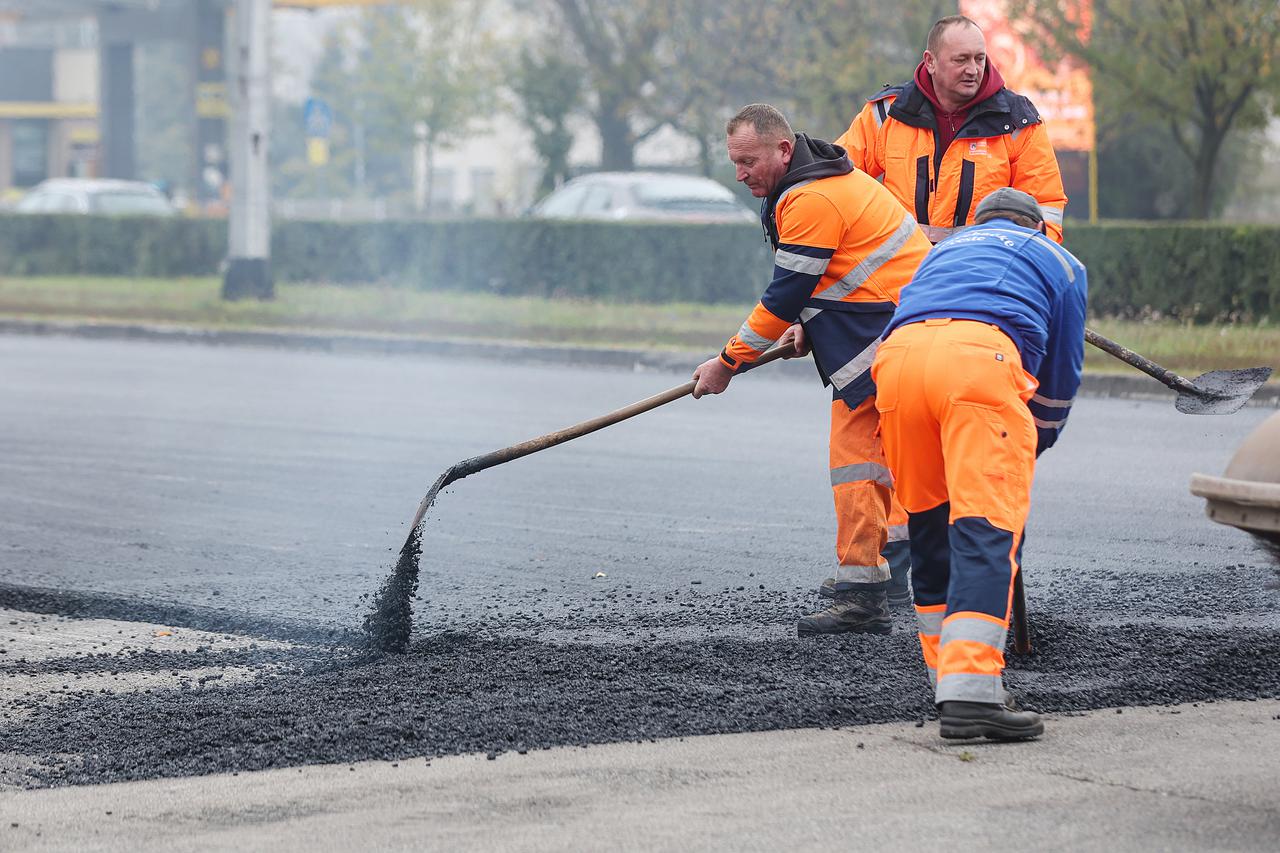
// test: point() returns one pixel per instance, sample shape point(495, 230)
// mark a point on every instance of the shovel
point(507, 454)
point(389, 623)
point(1218, 392)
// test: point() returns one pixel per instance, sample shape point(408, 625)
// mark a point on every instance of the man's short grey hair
point(765, 120)
point(941, 26)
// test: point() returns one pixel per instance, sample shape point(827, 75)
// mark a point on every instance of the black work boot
point(899, 593)
point(858, 611)
point(989, 720)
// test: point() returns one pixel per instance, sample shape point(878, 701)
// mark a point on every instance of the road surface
point(640, 583)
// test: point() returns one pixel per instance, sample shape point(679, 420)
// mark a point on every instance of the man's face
point(760, 162)
point(959, 64)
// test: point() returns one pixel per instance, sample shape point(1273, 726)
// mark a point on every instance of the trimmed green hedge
point(1197, 272)
point(109, 245)
point(639, 262)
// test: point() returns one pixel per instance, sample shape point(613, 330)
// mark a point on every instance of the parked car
point(643, 195)
point(99, 196)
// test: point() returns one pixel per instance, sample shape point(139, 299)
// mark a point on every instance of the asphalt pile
point(1269, 543)
point(474, 691)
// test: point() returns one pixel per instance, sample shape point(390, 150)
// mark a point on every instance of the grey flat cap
point(1010, 200)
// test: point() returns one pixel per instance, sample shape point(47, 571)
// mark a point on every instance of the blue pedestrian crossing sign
point(317, 118)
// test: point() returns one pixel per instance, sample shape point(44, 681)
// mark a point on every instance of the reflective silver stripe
point(862, 574)
point(860, 364)
point(933, 676)
point(1057, 253)
point(790, 189)
point(807, 314)
point(1052, 403)
point(749, 337)
point(800, 263)
point(1051, 214)
point(1043, 424)
point(937, 233)
point(881, 255)
point(930, 622)
point(1015, 133)
point(861, 472)
point(968, 687)
point(898, 533)
point(974, 630)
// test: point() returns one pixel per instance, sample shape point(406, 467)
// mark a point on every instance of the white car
point(644, 196)
point(97, 196)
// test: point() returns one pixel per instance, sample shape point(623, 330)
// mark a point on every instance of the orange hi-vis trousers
point(869, 521)
point(961, 443)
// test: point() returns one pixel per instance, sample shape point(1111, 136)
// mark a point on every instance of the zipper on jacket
point(964, 199)
point(923, 189)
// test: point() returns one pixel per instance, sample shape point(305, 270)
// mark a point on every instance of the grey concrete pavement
point(1189, 778)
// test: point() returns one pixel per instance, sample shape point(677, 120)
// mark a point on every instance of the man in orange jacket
point(954, 134)
point(843, 249)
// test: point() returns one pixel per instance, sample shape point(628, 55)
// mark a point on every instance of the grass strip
point(384, 309)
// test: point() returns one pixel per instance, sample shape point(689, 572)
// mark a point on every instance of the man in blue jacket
point(974, 380)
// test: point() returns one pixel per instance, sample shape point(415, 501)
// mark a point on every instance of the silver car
point(643, 196)
point(100, 196)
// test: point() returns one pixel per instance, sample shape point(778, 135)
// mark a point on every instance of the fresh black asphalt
point(639, 583)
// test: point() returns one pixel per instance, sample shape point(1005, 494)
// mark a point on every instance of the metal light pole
point(248, 272)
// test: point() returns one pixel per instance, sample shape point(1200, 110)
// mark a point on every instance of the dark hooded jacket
point(843, 249)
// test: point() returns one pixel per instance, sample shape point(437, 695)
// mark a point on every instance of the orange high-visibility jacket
point(843, 249)
point(1003, 143)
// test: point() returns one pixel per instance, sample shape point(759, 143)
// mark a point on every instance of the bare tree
point(548, 89)
point(615, 41)
point(428, 72)
point(1204, 68)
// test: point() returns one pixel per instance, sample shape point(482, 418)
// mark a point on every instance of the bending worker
point(843, 249)
point(954, 134)
point(975, 379)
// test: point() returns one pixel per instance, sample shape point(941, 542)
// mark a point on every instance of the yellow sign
point(211, 100)
point(48, 109)
point(317, 151)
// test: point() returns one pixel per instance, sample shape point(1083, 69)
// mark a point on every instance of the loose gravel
point(478, 690)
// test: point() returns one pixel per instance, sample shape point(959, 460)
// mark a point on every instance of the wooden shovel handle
point(1163, 375)
point(542, 442)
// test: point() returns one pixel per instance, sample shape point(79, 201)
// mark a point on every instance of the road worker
point(974, 381)
point(953, 134)
point(843, 249)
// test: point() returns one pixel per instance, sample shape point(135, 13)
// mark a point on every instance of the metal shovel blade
point(1221, 392)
